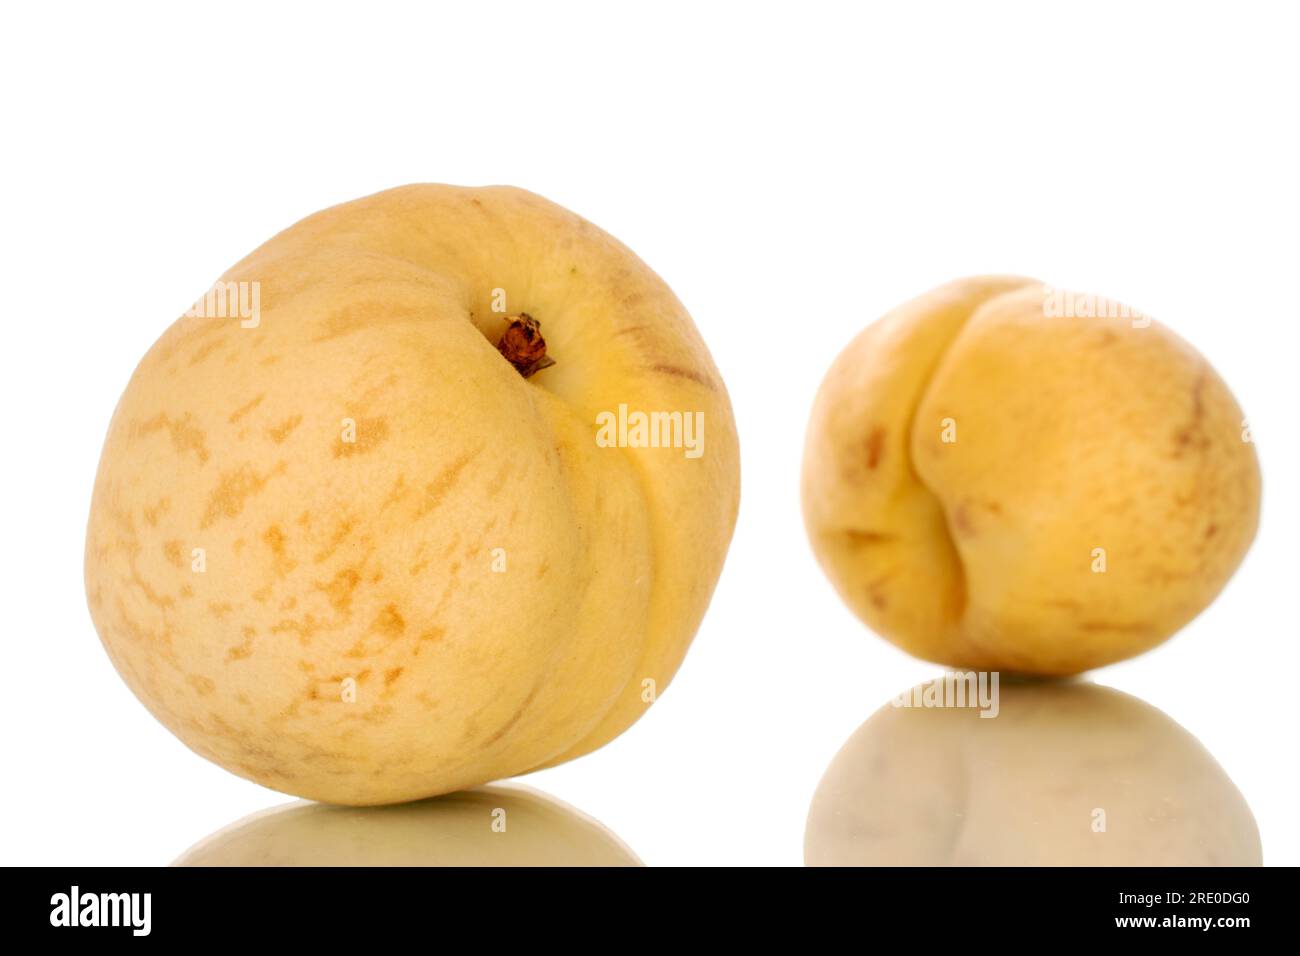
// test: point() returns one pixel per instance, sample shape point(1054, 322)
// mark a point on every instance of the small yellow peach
point(1001, 476)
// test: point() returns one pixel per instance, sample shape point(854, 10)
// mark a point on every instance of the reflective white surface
point(1052, 774)
point(486, 826)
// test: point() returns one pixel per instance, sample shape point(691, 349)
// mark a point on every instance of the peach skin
point(1002, 476)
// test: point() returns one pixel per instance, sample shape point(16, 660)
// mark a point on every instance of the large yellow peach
point(1047, 774)
point(999, 475)
point(486, 826)
point(431, 489)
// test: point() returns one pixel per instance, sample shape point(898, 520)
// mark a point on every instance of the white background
point(792, 171)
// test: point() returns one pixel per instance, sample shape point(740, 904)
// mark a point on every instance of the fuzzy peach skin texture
point(991, 484)
point(373, 560)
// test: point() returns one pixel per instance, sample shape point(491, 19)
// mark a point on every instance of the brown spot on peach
point(233, 491)
point(389, 622)
point(391, 675)
point(244, 409)
point(185, 333)
point(305, 628)
point(1192, 434)
point(278, 433)
point(172, 552)
point(151, 515)
point(340, 588)
point(436, 491)
point(875, 590)
point(203, 685)
point(205, 350)
point(370, 434)
point(342, 529)
point(678, 371)
point(152, 596)
point(396, 494)
point(514, 718)
point(357, 316)
point(244, 649)
point(185, 436)
point(875, 447)
point(862, 537)
point(377, 715)
point(499, 480)
point(274, 539)
point(961, 520)
point(433, 634)
point(1135, 627)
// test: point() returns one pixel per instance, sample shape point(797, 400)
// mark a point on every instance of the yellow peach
point(998, 475)
point(356, 535)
